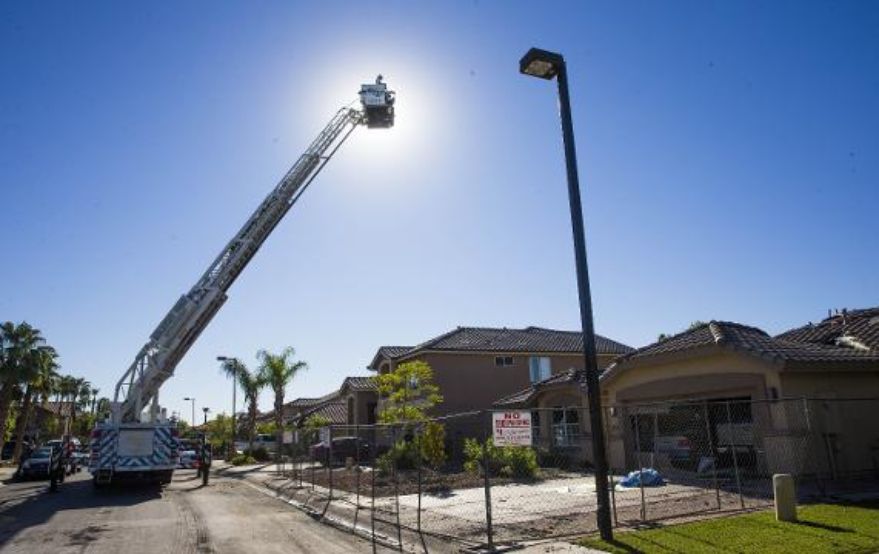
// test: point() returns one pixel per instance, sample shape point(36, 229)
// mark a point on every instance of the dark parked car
point(39, 464)
point(9, 448)
point(343, 447)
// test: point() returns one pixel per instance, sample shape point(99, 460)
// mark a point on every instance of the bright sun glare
point(414, 128)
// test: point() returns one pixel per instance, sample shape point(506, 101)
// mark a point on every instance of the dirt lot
point(433, 483)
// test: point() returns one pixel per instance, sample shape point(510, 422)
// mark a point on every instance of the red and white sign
point(512, 428)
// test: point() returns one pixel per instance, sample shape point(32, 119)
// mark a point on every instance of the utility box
point(785, 497)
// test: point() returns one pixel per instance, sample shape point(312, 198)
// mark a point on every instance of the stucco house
point(786, 399)
point(474, 366)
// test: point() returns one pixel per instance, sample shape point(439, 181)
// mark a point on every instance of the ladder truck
point(137, 441)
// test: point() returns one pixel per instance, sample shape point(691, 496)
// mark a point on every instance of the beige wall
point(845, 426)
point(717, 374)
point(831, 383)
point(359, 401)
point(473, 381)
point(712, 375)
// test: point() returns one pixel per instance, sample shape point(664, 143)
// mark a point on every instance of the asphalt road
point(226, 516)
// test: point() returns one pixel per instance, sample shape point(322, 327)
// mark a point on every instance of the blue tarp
point(652, 478)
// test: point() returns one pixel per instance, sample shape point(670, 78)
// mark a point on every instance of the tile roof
point(493, 339)
point(570, 376)
point(335, 411)
point(861, 326)
point(393, 351)
point(62, 409)
point(750, 340)
point(302, 402)
point(359, 384)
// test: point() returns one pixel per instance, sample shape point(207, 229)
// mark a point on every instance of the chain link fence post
point(611, 485)
point(374, 457)
point(711, 451)
point(419, 434)
point(734, 454)
point(330, 463)
point(487, 485)
point(396, 485)
point(640, 465)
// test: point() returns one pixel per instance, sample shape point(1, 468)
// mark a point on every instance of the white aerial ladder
point(138, 440)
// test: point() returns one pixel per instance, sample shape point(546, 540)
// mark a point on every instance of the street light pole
point(193, 409)
point(546, 65)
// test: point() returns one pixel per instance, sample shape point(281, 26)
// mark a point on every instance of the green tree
point(17, 345)
point(233, 368)
point(44, 361)
point(277, 371)
point(94, 396)
point(219, 430)
point(251, 385)
point(409, 393)
point(311, 428)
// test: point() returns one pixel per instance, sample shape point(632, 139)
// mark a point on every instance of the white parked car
point(188, 460)
point(259, 441)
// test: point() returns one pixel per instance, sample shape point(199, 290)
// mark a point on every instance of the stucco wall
point(717, 374)
point(473, 381)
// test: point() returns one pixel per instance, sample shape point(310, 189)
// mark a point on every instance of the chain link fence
point(444, 479)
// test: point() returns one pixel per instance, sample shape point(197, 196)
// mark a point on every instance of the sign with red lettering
point(511, 428)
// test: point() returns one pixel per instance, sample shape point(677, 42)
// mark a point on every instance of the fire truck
point(137, 441)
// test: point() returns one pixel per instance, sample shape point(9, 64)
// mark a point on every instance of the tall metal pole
point(234, 427)
point(590, 362)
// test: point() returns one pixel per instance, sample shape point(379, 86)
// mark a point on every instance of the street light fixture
point(188, 399)
point(548, 65)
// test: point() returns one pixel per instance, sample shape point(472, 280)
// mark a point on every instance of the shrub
point(242, 460)
point(404, 454)
point(260, 454)
point(432, 443)
point(519, 462)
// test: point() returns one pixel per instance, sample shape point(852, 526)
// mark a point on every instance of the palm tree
point(18, 344)
point(276, 371)
point(102, 408)
point(82, 396)
point(250, 384)
point(44, 360)
point(232, 368)
point(94, 394)
point(67, 389)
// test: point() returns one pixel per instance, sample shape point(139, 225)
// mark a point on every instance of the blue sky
point(728, 159)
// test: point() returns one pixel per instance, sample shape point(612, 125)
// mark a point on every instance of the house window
point(535, 427)
point(503, 361)
point(565, 426)
point(540, 368)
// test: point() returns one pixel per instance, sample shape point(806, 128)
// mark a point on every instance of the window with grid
point(565, 426)
point(540, 368)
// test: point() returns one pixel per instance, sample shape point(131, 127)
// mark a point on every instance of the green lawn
point(822, 528)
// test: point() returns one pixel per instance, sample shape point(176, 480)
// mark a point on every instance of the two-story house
point(475, 366)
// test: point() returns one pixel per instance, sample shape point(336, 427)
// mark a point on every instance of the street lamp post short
point(191, 399)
